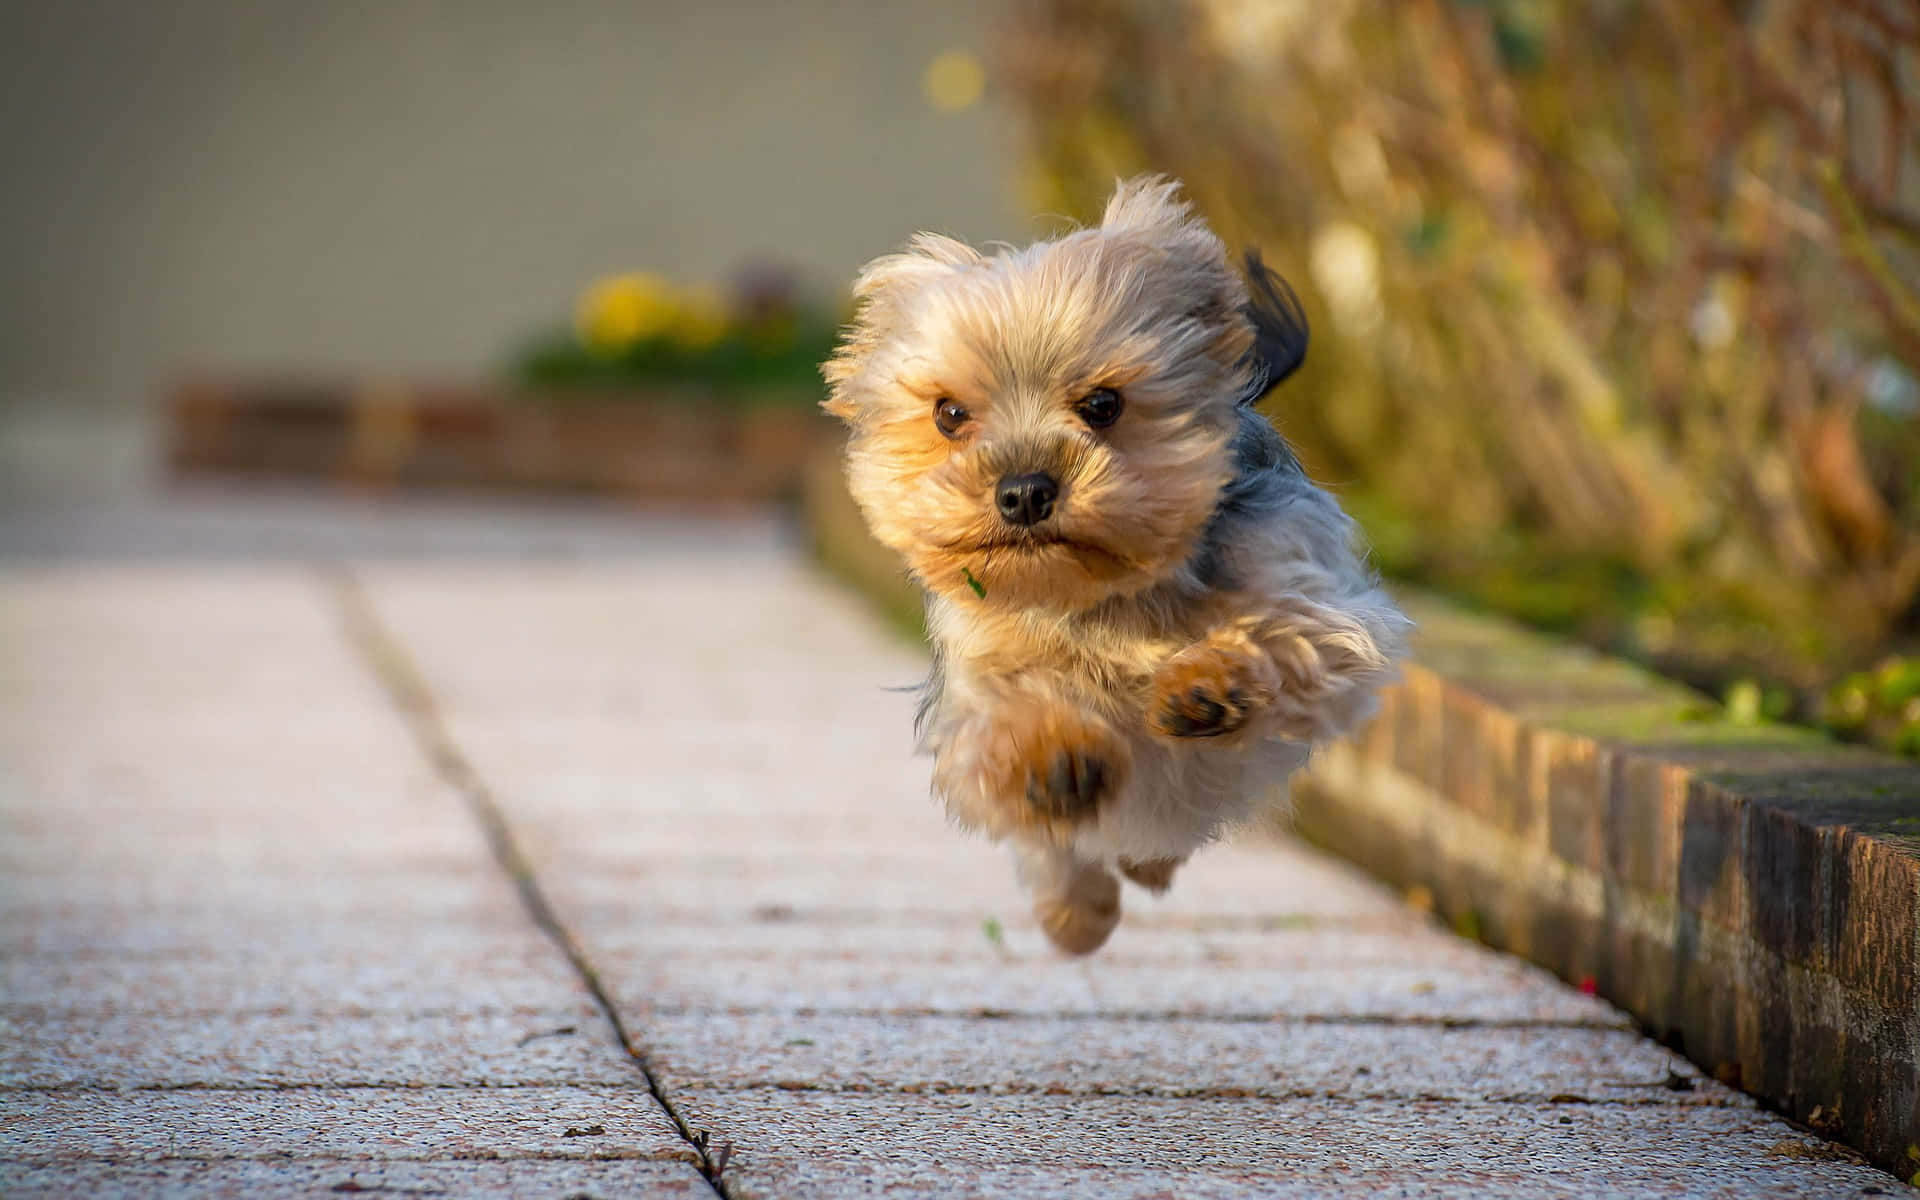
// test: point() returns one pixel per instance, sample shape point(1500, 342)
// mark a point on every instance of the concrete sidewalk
point(340, 852)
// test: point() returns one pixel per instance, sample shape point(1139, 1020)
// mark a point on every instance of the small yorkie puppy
point(1143, 614)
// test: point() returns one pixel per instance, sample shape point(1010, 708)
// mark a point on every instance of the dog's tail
point(1279, 330)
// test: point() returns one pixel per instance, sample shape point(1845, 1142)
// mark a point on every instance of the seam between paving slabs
point(1636, 1093)
point(1166, 1016)
point(394, 668)
point(1161, 1016)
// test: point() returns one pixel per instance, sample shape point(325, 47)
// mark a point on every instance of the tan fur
point(1105, 704)
point(1078, 907)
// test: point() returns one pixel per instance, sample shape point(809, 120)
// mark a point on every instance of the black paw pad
point(1073, 786)
point(1199, 713)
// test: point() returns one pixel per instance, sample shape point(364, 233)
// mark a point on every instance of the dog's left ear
point(878, 293)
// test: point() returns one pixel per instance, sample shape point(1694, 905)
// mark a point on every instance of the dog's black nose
point(1027, 499)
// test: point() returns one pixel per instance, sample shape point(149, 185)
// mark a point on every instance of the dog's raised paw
point(1199, 713)
point(1036, 770)
point(1211, 690)
point(1072, 786)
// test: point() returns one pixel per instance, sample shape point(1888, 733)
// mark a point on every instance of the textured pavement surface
point(341, 847)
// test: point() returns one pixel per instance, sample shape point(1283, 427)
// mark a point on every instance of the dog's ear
point(878, 292)
point(1279, 329)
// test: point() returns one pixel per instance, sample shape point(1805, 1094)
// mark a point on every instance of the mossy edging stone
point(1750, 893)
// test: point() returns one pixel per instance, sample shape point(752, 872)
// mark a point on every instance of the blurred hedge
point(1617, 303)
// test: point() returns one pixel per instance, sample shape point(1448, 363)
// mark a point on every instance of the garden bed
point(679, 443)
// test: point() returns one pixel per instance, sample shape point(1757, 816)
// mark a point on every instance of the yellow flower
point(954, 80)
point(620, 310)
point(701, 319)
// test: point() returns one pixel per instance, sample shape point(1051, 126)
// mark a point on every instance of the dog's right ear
point(878, 292)
point(1279, 330)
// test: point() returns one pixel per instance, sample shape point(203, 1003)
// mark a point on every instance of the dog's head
point(1048, 427)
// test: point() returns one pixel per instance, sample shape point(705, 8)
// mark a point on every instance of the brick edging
point(1750, 893)
point(665, 444)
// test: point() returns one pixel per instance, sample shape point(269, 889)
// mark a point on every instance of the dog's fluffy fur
point(1116, 683)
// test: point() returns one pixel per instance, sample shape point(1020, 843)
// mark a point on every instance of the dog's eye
point(949, 416)
point(1100, 407)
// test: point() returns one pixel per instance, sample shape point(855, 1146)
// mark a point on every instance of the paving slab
point(832, 1144)
point(242, 918)
point(982, 935)
point(196, 942)
point(383, 1180)
point(1096, 1055)
point(415, 1124)
point(310, 1048)
point(914, 876)
point(433, 921)
point(508, 973)
point(889, 979)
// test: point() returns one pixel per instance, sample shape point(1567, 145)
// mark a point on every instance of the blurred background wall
point(416, 185)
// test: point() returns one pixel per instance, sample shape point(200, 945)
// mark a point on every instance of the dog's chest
point(1108, 657)
point(1112, 663)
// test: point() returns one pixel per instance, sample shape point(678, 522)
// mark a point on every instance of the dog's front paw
point(1073, 782)
point(1034, 771)
point(1212, 688)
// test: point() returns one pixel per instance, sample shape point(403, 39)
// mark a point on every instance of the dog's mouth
point(1039, 541)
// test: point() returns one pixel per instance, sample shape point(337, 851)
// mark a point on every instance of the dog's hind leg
point(1076, 902)
point(1153, 874)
